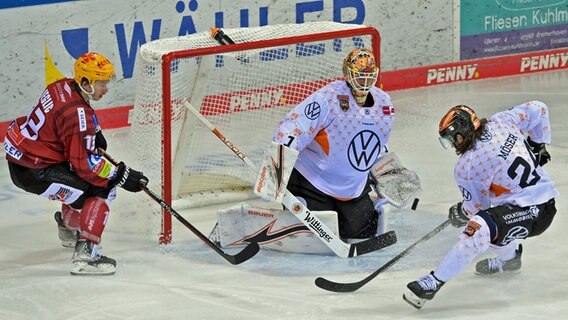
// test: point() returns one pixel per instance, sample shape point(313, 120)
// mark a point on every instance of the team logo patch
point(297, 208)
point(471, 228)
point(518, 232)
point(343, 102)
point(61, 192)
point(363, 150)
point(312, 110)
point(61, 195)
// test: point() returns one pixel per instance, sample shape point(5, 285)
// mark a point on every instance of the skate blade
point(413, 300)
point(86, 269)
point(68, 244)
point(498, 274)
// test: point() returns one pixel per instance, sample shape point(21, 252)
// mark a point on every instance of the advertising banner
point(500, 27)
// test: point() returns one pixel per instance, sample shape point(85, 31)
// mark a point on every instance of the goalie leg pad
point(271, 228)
point(94, 216)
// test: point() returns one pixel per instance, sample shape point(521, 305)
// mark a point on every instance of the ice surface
point(187, 280)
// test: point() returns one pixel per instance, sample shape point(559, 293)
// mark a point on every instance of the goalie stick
point(354, 286)
point(301, 212)
point(248, 252)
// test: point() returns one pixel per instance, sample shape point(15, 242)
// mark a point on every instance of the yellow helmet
point(93, 66)
point(360, 70)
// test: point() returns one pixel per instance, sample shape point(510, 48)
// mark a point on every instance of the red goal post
point(244, 89)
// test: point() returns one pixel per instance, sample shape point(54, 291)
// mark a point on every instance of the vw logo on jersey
point(312, 110)
point(517, 232)
point(363, 150)
point(466, 195)
point(486, 136)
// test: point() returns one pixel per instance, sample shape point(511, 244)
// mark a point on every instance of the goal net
point(243, 89)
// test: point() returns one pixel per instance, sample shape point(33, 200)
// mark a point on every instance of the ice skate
point(67, 236)
point(495, 265)
point(88, 261)
point(418, 292)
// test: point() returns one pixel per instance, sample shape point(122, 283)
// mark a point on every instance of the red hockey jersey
point(60, 128)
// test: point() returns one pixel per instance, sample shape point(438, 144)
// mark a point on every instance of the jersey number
point(34, 122)
point(527, 169)
point(290, 140)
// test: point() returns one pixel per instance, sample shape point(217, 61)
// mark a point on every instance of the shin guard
point(94, 216)
point(71, 217)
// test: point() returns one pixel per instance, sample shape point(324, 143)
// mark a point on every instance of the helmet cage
point(360, 70)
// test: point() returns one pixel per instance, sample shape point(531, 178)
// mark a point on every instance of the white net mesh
point(243, 94)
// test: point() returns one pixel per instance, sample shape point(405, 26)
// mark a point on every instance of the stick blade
point(336, 286)
point(373, 244)
point(248, 252)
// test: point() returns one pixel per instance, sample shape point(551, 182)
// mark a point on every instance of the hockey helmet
point(93, 67)
point(360, 70)
point(461, 120)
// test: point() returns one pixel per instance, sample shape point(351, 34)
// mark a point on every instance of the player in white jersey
point(340, 131)
point(506, 193)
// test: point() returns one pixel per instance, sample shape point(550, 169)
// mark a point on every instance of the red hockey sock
point(70, 216)
point(94, 215)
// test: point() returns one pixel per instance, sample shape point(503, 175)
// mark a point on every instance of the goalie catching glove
point(274, 173)
point(128, 179)
point(393, 181)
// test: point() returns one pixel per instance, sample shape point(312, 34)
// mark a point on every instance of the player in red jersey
point(52, 152)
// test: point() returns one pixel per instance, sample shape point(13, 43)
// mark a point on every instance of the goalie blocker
point(275, 172)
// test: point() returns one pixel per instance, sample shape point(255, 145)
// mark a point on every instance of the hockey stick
point(221, 37)
point(248, 252)
point(353, 286)
point(299, 210)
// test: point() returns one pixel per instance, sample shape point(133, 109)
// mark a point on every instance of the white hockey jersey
point(338, 140)
point(500, 169)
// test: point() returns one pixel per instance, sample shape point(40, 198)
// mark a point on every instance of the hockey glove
point(457, 216)
point(539, 151)
point(100, 141)
point(129, 179)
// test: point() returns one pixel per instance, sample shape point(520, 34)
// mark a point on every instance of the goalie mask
point(460, 120)
point(360, 71)
point(92, 67)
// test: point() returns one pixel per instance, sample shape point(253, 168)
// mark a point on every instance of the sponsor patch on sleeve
point(471, 228)
point(11, 150)
point(82, 119)
point(101, 166)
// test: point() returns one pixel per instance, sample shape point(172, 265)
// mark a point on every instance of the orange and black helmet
point(460, 120)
